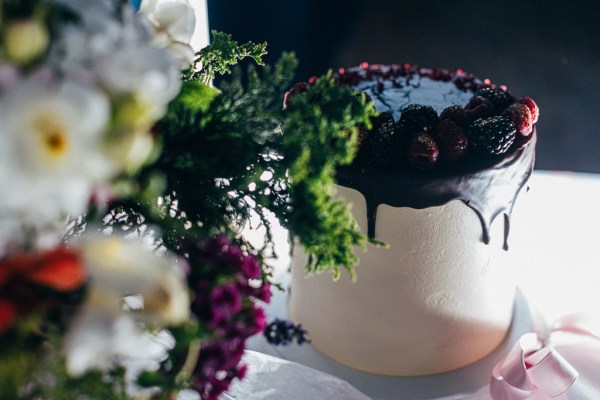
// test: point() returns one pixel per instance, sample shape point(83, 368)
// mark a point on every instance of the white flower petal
point(51, 148)
point(174, 22)
point(128, 267)
point(178, 19)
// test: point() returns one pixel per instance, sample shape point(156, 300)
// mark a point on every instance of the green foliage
point(229, 153)
point(26, 373)
point(221, 54)
point(319, 134)
point(17, 364)
point(241, 152)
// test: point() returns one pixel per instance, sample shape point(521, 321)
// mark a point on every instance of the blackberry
point(383, 121)
point(492, 135)
point(479, 107)
point(499, 98)
point(387, 143)
point(423, 152)
point(456, 114)
point(452, 140)
point(417, 118)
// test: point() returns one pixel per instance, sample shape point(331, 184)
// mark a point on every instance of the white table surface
point(555, 243)
point(559, 269)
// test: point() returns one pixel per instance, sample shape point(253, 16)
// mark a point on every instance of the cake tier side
point(437, 299)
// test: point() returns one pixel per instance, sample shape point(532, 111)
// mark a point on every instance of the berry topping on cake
point(383, 122)
point(520, 115)
point(452, 140)
point(423, 151)
point(492, 135)
point(477, 119)
point(387, 144)
point(417, 118)
point(479, 107)
point(533, 108)
point(456, 114)
point(499, 98)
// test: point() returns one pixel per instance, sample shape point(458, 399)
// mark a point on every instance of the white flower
point(144, 75)
point(106, 330)
point(51, 149)
point(123, 267)
point(119, 56)
point(99, 339)
point(174, 22)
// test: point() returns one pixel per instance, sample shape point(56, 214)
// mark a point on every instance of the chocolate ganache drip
point(490, 189)
point(488, 185)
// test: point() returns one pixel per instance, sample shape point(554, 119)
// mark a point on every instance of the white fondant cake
point(437, 299)
point(441, 296)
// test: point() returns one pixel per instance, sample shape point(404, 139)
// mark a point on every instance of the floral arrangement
point(126, 180)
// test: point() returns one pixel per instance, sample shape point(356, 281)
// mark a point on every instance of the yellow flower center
point(53, 135)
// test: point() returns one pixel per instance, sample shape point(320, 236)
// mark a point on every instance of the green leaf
point(223, 52)
point(196, 96)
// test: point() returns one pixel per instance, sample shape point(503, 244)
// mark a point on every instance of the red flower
point(60, 269)
point(8, 314)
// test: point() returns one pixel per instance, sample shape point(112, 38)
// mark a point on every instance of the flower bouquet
point(126, 181)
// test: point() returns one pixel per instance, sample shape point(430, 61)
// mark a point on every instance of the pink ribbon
point(534, 366)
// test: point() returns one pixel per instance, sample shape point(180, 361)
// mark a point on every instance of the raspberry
point(499, 98)
point(456, 114)
point(387, 142)
point(492, 135)
point(299, 87)
point(479, 107)
point(452, 140)
point(533, 108)
point(521, 141)
point(417, 118)
point(423, 152)
point(520, 115)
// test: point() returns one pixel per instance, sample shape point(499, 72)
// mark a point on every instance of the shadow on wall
point(549, 51)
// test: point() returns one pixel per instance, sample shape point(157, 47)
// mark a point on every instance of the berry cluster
point(228, 309)
point(284, 332)
point(489, 124)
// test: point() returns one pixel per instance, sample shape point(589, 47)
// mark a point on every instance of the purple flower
point(251, 267)
point(263, 293)
point(227, 298)
point(257, 320)
point(226, 285)
point(218, 364)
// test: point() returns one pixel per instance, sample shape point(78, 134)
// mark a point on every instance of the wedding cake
point(436, 178)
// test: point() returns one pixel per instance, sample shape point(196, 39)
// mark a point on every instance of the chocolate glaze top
point(489, 186)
